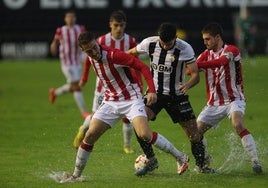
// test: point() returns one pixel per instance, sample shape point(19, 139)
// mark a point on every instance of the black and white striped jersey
point(167, 66)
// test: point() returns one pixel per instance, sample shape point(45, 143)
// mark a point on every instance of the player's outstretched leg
point(162, 143)
point(198, 151)
point(149, 152)
point(82, 156)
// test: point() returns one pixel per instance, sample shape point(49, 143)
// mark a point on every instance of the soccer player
point(169, 57)
point(246, 32)
point(122, 97)
point(221, 63)
point(116, 38)
point(70, 54)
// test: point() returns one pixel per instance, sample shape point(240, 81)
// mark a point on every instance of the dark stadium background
point(31, 27)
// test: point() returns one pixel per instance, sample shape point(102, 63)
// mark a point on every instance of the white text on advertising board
point(102, 4)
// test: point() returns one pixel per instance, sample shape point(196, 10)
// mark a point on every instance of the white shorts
point(212, 115)
point(72, 73)
point(112, 111)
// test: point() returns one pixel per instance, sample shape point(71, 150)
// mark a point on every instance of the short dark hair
point(213, 29)
point(85, 37)
point(167, 31)
point(119, 16)
point(70, 12)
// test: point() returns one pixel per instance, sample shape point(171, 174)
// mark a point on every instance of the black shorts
point(178, 107)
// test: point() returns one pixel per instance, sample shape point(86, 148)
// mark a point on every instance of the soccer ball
point(140, 162)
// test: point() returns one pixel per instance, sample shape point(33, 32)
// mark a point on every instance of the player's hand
point(54, 48)
point(82, 84)
point(183, 87)
point(151, 98)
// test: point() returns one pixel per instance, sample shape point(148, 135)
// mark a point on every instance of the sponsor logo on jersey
point(161, 68)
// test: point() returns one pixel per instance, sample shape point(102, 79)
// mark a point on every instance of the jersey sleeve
point(86, 69)
point(100, 39)
point(57, 35)
point(137, 77)
point(136, 74)
point(189, 56)
point(83, 28)
point(202, 57)
point(133, 42)
point(228, 55)
point(143, 47)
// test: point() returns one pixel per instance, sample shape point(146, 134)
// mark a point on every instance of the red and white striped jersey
point(114, 72)
point(125, 43)
point(69, 51)
point(223, 72)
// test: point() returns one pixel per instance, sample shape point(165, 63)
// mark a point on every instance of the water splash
point(236, 156)
point(58, 176)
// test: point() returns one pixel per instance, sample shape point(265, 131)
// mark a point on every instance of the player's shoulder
point(232, 48)
point(60, 27)
point(111, 54)
point(203, 54)
point(102, 37)
point(182, 44)
point(151, 39)
point(83, 27)
point(144, 45)
point(80, 26)
point(109, 49)
point(126, 35)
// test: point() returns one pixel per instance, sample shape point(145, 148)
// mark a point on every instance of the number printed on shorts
point(100, 99)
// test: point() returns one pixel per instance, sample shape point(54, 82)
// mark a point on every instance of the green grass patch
point(36, 137)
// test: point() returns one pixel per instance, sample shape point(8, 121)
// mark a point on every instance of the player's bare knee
point(145, 136)
point(239, 127)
